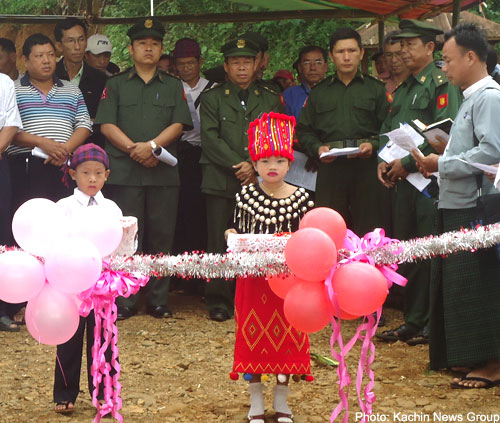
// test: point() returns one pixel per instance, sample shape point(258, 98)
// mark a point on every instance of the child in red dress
point(265, 341)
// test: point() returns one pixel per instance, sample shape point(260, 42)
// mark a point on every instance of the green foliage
point(285, 37)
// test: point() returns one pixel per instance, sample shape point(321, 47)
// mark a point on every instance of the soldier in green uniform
point(347, 110)
point(428, 96)
point(142, 109)
point(225, 114)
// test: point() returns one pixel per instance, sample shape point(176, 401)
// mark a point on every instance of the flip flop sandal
point(6, 324)
point(283, 418)
point(66, 408)
point(257, 419)
point(402, 333)
point(488, 383)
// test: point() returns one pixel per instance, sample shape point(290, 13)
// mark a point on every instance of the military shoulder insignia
point(439, 77)
point(257, 92)
point(104, 93)
point(442, 101)
point(265, 87)
point(390, 97)
point(241, 43)
point(423, 78)
point(148, 23)
point(282, 100)
point(226, 91)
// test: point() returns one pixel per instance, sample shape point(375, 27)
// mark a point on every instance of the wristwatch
point(153, 145)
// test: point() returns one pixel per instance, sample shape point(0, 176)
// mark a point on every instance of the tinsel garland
point(231, 265)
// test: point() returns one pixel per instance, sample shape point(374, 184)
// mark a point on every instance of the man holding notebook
point(428, 96)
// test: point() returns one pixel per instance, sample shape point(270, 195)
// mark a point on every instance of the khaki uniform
point(142, 111)
point(346, 116)
point(224, 142)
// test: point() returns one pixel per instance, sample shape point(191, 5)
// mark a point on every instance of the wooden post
point(381, 35)
point(456, 13)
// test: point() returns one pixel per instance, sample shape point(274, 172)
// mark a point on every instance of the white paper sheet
point(164, 156)
point(298, 175)
point(336, 152)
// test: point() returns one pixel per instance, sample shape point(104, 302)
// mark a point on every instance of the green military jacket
point(224, 137)
point(142, 111)
point(429, 97)
point(335, 112)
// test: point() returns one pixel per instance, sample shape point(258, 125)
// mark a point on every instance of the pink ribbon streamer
point(359, 247)
point(357, 251)
point(102, 297)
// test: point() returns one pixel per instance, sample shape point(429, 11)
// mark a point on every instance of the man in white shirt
point(191, 218)
point(10, 123)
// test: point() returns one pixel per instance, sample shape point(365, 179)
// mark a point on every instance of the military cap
point(257, 39)
point(411, 28)
point(147, 27)
point(240, 47)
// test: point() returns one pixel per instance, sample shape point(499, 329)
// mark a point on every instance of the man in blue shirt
point(312, 67)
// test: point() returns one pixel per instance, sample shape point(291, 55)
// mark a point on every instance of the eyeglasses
point(397, 55)
point(309, 63)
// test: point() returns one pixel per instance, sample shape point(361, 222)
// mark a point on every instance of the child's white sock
point(256, 399)
point(280, 395)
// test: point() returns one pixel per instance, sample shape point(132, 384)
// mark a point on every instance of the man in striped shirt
point(55, 122)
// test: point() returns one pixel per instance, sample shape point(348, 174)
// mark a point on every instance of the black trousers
point(69, 363)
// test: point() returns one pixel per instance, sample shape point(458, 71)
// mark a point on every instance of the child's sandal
point(283, 418)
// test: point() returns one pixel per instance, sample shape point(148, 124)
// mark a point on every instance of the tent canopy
point(281, 9)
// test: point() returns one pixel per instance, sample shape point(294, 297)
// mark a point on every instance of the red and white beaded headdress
point(271, 135)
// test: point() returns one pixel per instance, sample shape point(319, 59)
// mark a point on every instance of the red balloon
point(310, 254)
point(361, 289)
point(306, 307)
point(329, 221)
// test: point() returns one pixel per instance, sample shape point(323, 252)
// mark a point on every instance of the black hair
point(309, 48)
point(491, 60)
point(470, 37)
point(345, 34)
point(390, 37)
point(7, 45)
point(166, 56)
point(66, 24)
point(34, 40)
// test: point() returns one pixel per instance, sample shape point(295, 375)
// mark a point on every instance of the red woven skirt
point(265, 341)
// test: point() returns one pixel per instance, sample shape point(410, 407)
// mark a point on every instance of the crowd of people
point(163, 101)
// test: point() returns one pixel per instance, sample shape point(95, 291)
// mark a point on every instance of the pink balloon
point(36, 225)
point(361, 289)
point(310, 254)
point(21, 276)
point(99, 226)
point(52, 317)
point(329, 221)
point(281, 284)
point(73, 266)
point(306, 307)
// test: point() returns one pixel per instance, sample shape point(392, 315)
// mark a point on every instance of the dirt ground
point(177, 370)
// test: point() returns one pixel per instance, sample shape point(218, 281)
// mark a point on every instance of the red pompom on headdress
point(271, 135)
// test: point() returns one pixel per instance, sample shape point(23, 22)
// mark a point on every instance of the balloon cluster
point(62, 257)
point(359, 289)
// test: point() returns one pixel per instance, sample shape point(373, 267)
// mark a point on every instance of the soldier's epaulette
point(439, 77)
point(265, 87)
point(169, 74)
point(216, 85)
point(123, 72)
point(371, 77)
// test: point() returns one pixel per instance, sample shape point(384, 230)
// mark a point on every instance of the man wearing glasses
point(347, 110)
point(393, 56)
point(71, 42)
point(312, 67)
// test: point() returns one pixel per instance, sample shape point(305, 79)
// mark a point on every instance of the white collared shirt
point(476, 86)
point(79, 199)
point(193, 136)
point(9, 114)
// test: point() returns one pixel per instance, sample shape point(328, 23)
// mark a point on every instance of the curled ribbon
point(102, 296)
point(357, 249)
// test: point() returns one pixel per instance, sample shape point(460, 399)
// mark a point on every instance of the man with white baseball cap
point(98, 54)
